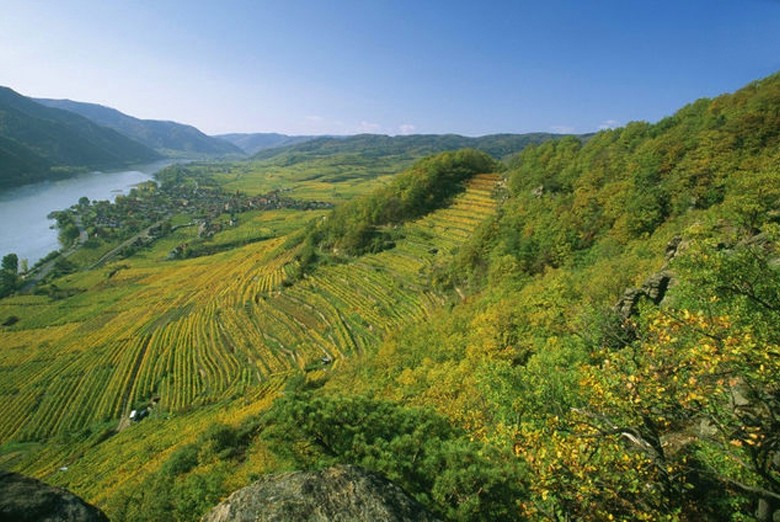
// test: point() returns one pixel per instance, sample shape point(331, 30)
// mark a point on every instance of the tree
point(8, 274)
point(429, 184)
point(691, 406)
point(416, 448)
point(10, 263)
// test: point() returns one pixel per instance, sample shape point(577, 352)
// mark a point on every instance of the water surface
point(24, 228)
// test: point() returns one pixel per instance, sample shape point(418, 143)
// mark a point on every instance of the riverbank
point(39, 273)
point(150, 211)
point(25, 228)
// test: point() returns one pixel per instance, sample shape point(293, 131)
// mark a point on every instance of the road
point(112, 253)
point(33, 278)
point(41, 272)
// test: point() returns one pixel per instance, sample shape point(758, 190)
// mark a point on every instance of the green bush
point(418, 449)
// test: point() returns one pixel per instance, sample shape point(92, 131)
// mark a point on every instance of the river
point(24, 228)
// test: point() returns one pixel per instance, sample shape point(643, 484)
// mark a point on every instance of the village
point(145, 213)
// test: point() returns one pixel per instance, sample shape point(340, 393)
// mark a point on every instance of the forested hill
point(252, 143)
point(625, 184)
point(372, 146)
point(167, 137)
point(621, 331)
point(365, 224)
point(38, 142)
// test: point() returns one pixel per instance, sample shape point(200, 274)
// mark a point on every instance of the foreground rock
point(340, 493)
point(25, 499)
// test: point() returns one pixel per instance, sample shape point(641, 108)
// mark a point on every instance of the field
point(186, 336)
point(333, 179)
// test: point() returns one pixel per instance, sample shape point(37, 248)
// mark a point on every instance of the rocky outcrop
point(340, 493)
point(672, 247)
point(25, 499)
point(653, 289)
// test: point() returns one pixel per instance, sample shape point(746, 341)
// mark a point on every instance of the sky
point(388, 66)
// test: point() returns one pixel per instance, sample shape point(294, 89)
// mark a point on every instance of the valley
point(232, 322)
point(197, 335)
point(451, 320)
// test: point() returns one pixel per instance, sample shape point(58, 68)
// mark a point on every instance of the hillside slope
point(621, 332)
point(38, 142)
point(511, 355)
point(244, 323)
point(165, 137)
point(234, 325)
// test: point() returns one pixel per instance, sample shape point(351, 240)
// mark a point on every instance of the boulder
point(24, 499)
point(672, 248)
point(340, 493)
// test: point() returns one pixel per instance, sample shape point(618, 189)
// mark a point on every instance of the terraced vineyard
point(188, 333)
point(111, 463)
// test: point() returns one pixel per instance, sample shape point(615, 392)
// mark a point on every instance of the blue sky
point(389, 66)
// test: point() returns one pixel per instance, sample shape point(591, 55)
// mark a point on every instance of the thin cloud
point(609, 124)
point(369, 127)
point(406, 128)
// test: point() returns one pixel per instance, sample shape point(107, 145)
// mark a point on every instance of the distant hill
point(39, 142)
point(166, 137)
point(253, 143)
point(412, 146)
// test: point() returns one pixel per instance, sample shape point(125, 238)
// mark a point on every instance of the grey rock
point(24, 499)
point(627, 306)
point(672, 248)
point(654, 289)
point(340, 493)
point(656, 285)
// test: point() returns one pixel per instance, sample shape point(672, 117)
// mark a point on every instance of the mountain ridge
point(40, 142)
point(167, 137)
point(500, 146)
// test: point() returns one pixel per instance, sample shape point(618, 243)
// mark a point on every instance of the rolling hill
point(39, 142)
point(503, 349)
point(166, 137)
point(375, 146)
